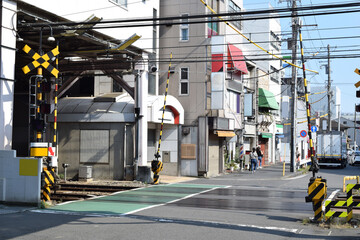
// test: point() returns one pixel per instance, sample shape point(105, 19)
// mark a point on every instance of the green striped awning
point(267, 100)
point(266, 135)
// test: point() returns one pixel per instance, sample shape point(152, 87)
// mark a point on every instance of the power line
point(165, 20)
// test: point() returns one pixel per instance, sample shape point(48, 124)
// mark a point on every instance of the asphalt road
point(263, 205)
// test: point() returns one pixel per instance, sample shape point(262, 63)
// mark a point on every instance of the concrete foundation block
point(129, 173)
point(7, 154)
point(144, 174)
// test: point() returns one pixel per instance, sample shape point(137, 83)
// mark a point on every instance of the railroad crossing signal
point(41, 60)
point(358, 83)
point(357, 108)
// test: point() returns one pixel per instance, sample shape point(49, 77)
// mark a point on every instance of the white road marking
point(297, 177)
point(163, 204)
point(329, 233)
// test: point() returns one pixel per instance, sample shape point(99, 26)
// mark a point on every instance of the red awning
point(236, 59)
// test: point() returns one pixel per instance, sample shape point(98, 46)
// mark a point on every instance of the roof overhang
point(82, 51)
point(118, 108)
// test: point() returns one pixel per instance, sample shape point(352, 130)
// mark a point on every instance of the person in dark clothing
point(253, 160)
point(260, 155)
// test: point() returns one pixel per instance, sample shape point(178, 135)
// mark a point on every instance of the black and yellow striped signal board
point(41, 60)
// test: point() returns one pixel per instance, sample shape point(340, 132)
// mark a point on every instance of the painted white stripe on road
point(176, 200)
point(297, 177)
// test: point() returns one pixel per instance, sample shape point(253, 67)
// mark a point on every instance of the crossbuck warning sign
point(41, 60)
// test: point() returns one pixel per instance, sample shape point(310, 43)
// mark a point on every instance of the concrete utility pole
point(293, 135)
point(355, 129)
point(329, 90)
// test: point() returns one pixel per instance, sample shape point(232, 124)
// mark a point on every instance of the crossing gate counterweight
point(316, 194)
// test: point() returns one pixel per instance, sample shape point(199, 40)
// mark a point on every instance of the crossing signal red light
point(358, 93)
point(357, 108)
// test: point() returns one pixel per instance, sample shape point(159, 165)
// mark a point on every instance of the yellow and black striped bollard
point(156, 167)
point(47, 181)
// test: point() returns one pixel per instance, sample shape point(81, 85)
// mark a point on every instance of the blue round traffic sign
point(314, 129)
point(303, 133)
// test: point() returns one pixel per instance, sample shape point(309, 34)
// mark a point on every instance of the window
point(275, 40)
point(233, 8)
point(184, 28)
point(184, 81)
point(274, 74)
point(154, 30)
point(213, 28)
point(122, 3)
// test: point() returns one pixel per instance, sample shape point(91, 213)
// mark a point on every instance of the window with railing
point(233, 8)
point(275, 40)
point(274, 74)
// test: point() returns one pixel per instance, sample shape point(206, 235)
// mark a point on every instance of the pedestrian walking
point(253, 159)
point(260, 155)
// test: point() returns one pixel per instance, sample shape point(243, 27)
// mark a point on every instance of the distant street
point(263, 205)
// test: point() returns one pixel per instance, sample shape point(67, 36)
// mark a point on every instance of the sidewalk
point(8, 209)
point(273, 170)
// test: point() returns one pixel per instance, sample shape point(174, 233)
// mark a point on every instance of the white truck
point(331, 149)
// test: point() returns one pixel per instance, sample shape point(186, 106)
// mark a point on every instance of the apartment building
point(207, 77)
point(267, 32)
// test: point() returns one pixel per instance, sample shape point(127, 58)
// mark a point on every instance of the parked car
point(350, 156)
point(357, 158)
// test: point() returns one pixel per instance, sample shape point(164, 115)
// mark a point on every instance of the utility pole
point(329, 90)
point(355, 129)
point(293, 135)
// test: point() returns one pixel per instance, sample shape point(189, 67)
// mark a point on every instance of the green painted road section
point(134, 200)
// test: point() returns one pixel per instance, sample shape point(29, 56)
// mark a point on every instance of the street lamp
point(50, 38)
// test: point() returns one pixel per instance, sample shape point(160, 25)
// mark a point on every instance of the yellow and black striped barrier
point(350, 200)
point(335, 208)
point(330, 212)
point(41, 60)
point(316, 195)
point(47, 181)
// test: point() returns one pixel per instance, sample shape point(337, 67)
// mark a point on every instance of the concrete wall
point(169, 144)
point(7, 74)
point(69, 150)
point(19, 178)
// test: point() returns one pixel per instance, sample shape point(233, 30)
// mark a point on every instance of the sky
point(342, 74)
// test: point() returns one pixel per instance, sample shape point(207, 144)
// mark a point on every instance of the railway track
point(64, 192)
